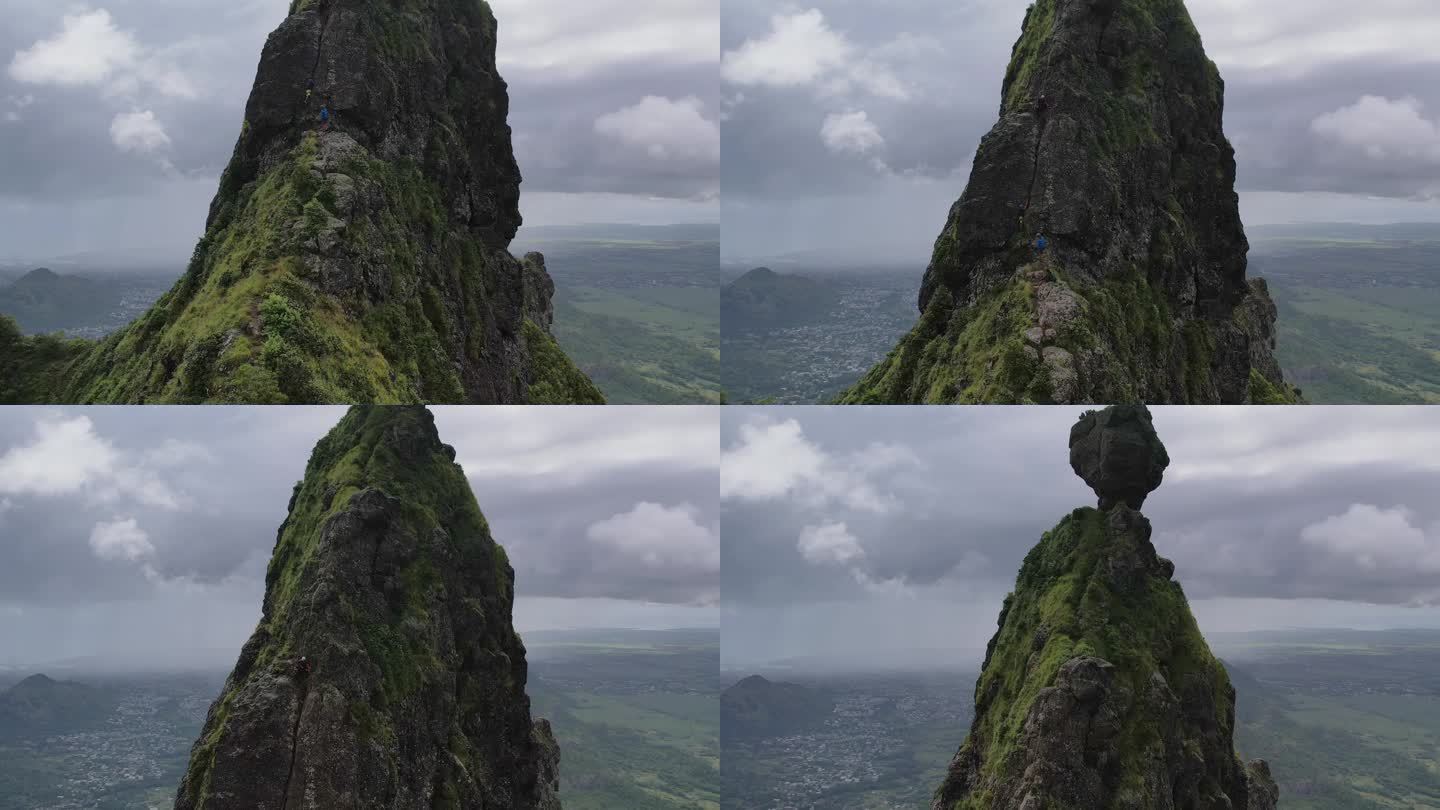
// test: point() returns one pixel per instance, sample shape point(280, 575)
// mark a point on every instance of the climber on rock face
point(324, 117)
point(302, 667)
point(1040, 244)
point(309, 89)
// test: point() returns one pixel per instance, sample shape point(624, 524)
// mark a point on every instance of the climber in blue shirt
point(325, 117)
point(1040, 243)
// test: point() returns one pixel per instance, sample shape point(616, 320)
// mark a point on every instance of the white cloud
point(138, 132)
point(91, 50)
point(666, 129)
point(1376, 539)
point(88, 50)
point(121, 539)
point(851, 132)
point(800, 49)
point(661, 537)
point(834, 544)
point(774, 460)
point(1383, 128)
point(67, 456)
point(64, 456)
point(830, 543)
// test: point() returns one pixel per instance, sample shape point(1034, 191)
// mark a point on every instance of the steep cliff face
point(385, 671)
point(1098, 690)
point(1109, 144)
point(363, 261)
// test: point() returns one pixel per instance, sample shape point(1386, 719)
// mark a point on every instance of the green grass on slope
point(1062, 589)
point(246, 323)
point(1359, 346)
point(634, 752)
point(435, 499)
point(961, 355)
point(1348, 752)
point(657, 346)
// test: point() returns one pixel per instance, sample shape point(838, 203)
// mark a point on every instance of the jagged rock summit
point(384, 672)
point(1109, 143)
point(1098, 691)
point(360, 260)
point(1118, 454)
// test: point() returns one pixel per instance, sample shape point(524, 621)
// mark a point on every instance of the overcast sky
point(893, 534)
point(849, 125)
point(117, 116)
point(143, 533)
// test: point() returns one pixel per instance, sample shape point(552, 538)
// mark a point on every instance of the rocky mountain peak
point(1118, 454)
point(1098, 690)
point(356, 250)
point(1109, 145)
point(385, 671)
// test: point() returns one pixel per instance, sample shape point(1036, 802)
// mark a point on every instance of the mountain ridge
point(361, 260)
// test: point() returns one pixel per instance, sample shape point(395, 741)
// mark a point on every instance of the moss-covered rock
point(366, 262)
point(1110, 143)
point(1098, 690)
point(386, 580)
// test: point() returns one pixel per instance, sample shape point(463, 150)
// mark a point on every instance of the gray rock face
point(414, 79)
point(1118, 454)
point(1109, 142)
point(1098, 691)
point(386, 581)
point(361, 259)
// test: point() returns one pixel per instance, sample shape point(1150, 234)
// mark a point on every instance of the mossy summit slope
point(384, 671)
point(1098, 691)
point(360, 261)
point(1109, 144)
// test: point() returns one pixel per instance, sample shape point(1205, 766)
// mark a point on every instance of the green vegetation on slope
point(636, 716)
point(662, 351)
point(248, 321)
point(363, 453)
point(1063, 607)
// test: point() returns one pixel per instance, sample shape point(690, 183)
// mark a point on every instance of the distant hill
point(41, 705)
point(763, 299)
point(45, 301)
point(756, 708)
